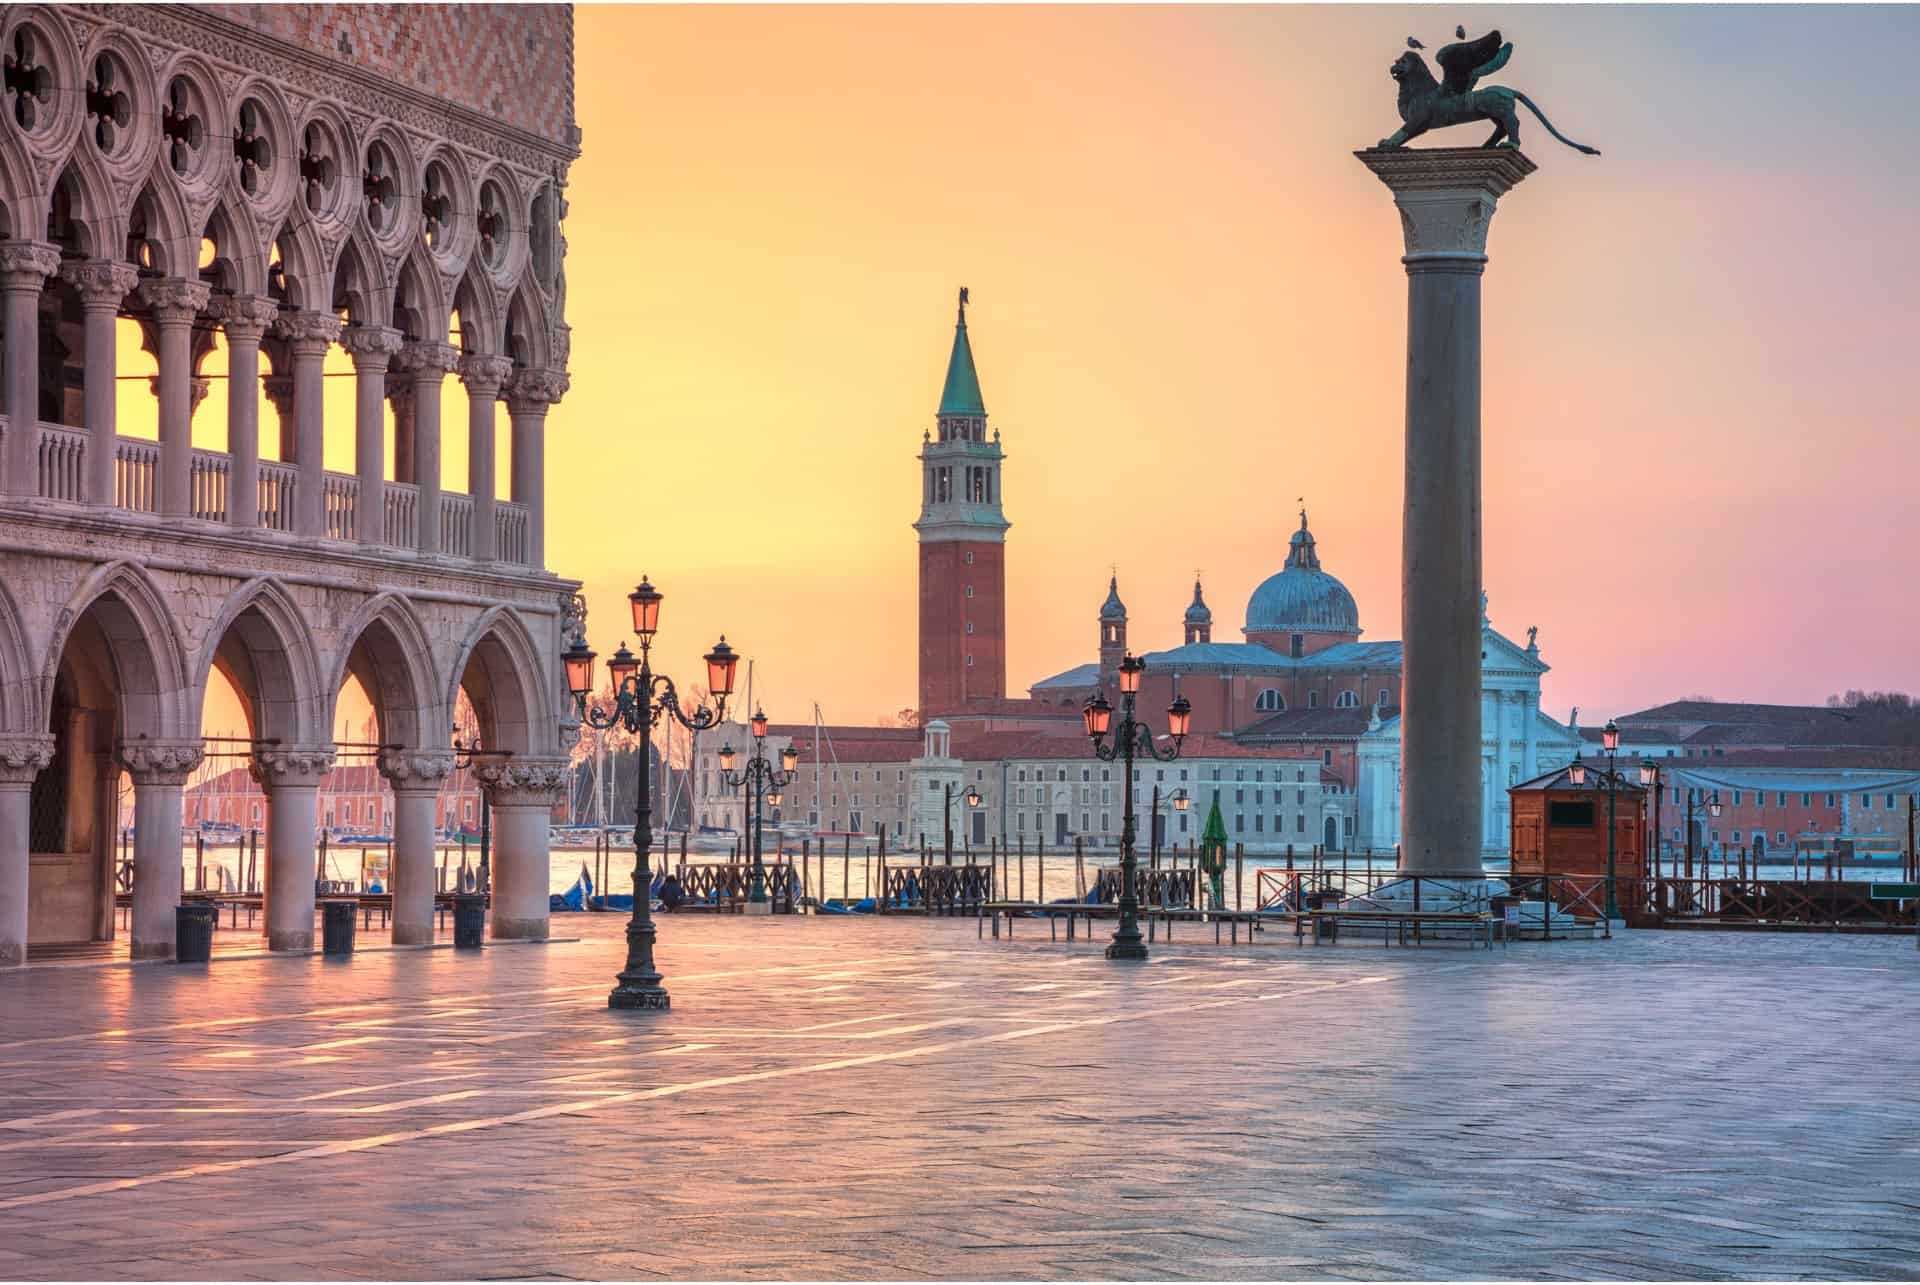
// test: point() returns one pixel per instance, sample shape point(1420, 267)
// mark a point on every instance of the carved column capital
point(1446, 198)
point(292, 766)
point(416, 771)
point(371, 347)
point(484, 374)
point(26, 265)
point(524, 782)
point(427, 360)
point(22, 758)
point(243, 316)
point(174, 302)
point(279, 391)
point(102, 284)
point(308, 334)
point(532, 391)
point(160, 762)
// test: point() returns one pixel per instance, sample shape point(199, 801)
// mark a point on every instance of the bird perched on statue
point(1413, 42)
point(1459, 33)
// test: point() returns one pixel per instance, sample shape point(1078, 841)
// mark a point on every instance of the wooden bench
point(1475, 921)
point(1153, 917)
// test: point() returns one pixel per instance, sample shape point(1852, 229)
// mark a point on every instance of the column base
point(12, 954)
point(412, 934)
point(289, 939)
point(1127, 948)
point(631, 997)
point(151, 949)
point(503, 929)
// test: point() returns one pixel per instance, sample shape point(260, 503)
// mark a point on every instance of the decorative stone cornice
point(101, 283)
point(484, 374)
point(243, 316)
point(1446, 196)
point(173, 301)
point(160, 762)
point(291, 765)
point(371, 347)
point(26, 265)
point(22, 758)
point(535, 390)
point(523, 782)
point(418, 771)
point(426, 359)
point(308, 333)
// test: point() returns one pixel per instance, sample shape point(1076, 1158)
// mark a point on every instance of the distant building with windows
point(354, 800)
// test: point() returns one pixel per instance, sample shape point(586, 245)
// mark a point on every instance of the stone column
point(309, 335)
point(22, 758)
point(528, 397)
point(521, 792)
point(416, 777)
point(245, 319)
point(159, 770)
point(174, 304)
point(426, 366)
point(279, 391)
point(291, 778)
point(372, 348)
point(484, 377)
point(24, 269)
point(103, 286)
point(1446, 199)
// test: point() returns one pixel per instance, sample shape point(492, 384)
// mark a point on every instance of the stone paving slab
point(894, 1099)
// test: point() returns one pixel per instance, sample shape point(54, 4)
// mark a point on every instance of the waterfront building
point(352, 799)
point(287, 186)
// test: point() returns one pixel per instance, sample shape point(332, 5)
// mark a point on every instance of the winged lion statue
point(1426, 103)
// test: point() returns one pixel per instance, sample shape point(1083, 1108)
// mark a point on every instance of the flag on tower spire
point(961, 396)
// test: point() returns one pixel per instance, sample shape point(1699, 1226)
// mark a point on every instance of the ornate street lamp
point(761, 782)
point(642, 698)
point(1131, 738)
point(972, 800)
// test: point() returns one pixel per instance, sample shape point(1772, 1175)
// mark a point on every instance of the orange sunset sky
point(1188, 310)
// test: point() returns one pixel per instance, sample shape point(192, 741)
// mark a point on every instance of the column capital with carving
point(425, 359)
point(532, 391)
point(102, 284)
point(243, 316)
point(291, 766)
point(485, 374)
point(22, 758)
point(279, 391)
point(1446, 198)
point(416, 771)
point(168, 762)
point(26, 265)
point(308, 334)
point(524, 782)
point(173, 301)
point(371, 347)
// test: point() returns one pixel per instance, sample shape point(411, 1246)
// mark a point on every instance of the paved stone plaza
point(894, 1099)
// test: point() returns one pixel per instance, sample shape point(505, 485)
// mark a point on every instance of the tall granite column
point(416, 778)
point(159, 770)
point(1446, 199)
point(22, 759)
point(24, 269)
point(291, 778)
point(522, 793)
point(103, 286)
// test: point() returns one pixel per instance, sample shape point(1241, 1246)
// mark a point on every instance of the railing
point(1153, 887)
point(63, 456)
point(278, 485)
point(456, 525)
point(209, 485)
point(510, 532)
point(938, 890)
point(339, 497)
point(136, 475)
point(402, 526)
point(733, 882)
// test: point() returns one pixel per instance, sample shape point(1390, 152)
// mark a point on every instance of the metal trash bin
point(336, 927)
point(193, 926)
point(469, 921)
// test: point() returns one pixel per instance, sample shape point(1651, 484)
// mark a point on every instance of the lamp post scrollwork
point(1131, 739)
point(763, 784)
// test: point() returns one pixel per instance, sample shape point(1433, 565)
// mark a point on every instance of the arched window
point(1346, 700)
point(1269, 701)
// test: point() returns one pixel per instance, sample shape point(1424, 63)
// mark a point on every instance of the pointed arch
point(297, 275)
point(263, 644)
point(160, 237)
point(386, 647)
point(83, 219)
point(499, 666)
point(143, 643)
point(360, 288)
point(527, 338)
point(20, 203)
point(420, 304)
point(20, 696)
point(240, 260)
point(481, 329)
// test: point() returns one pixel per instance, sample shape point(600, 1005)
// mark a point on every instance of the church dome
point(1199, 613)
point(1113, 609)
point(1301, 598)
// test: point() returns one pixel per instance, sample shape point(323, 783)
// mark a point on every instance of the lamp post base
point(637, 995)
point(1127, 943)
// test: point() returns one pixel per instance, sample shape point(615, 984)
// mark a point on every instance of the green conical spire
point(961, 396)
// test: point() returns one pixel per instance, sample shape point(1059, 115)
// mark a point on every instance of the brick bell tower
point(963, 575)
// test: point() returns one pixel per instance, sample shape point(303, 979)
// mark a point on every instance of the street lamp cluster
point(763, 784)
point(641, 699)
point(1132, 738)
point(1650, 777)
